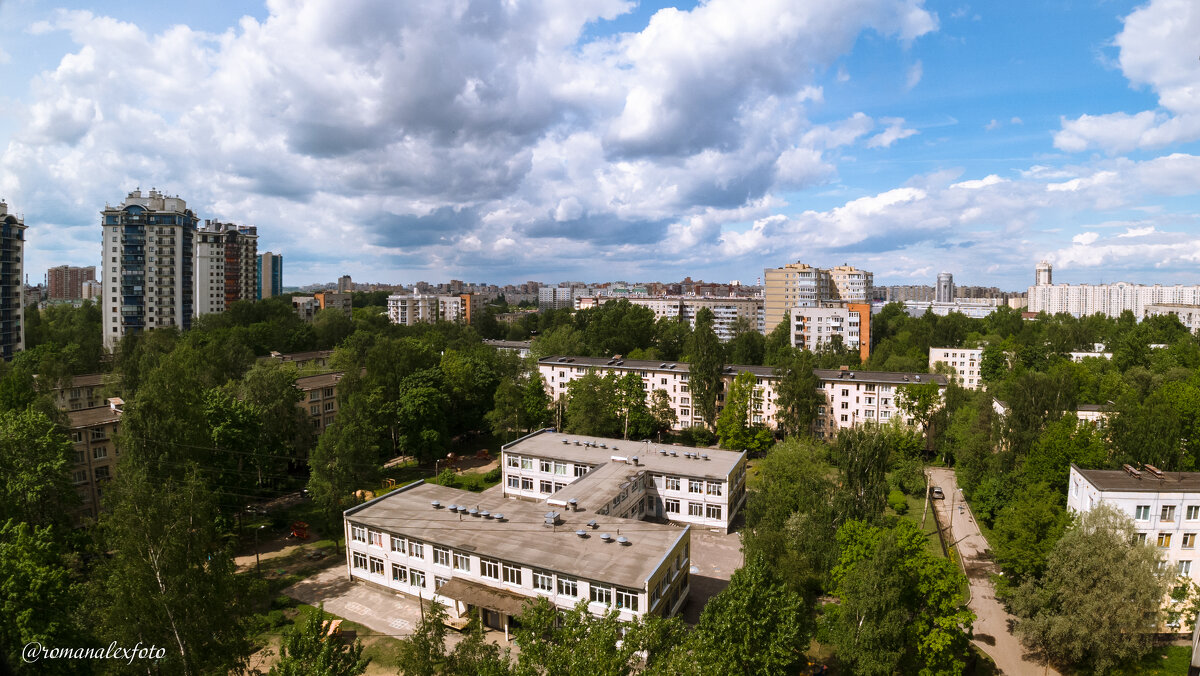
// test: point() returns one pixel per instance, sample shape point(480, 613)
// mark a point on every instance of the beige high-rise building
point(226, 265)
point(802, 285)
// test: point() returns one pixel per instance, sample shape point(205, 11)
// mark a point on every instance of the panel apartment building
point(813, 328)
point(852, 397)
point(66, 282)
point(12, 283)
point(226, 265)
point(410, 309)
point(483, 554)
point(93, 437)
point(628, 479)
point(1111, 300)
point(963, 363)
point(148, 256)
point(800, 284)
point(726, 311)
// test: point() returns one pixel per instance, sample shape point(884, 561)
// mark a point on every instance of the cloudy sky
point(506, 140)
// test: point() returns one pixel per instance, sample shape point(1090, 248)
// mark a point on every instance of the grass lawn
point(1169, 660)
point(382, 650)
point(915, 507)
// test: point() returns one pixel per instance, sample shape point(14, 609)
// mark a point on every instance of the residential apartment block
point(85, 391)
point(813, 328)
point(93, 434)
point(320, 399)
point(66, 282)
point(269, 277)
point(485, 555)
point(329, 300)
point(1188, 315)
point(853, 396)
point(611, 477)
point(148, 255)
point(226, 265)
point(726, 311)
point(1111, 300)
point(410, 309)
point(1164, 506)
point(799, 284)
point(305, 307)
point(963, 362)
point(12, 283)
point(345, 284)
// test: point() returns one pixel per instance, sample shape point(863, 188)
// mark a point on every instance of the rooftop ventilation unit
point(474, 512)
point(1131, 471)
point(622, 540)
point(581, 533)
point(1154, 470)
point(851, 376)
point(603, 445)
point(704, 456)
point(498, 516)
point(674, 454)
point(606, 537)
point(577, 442)
point(662, 365)
point(435, 504)
point(592, 524)
point(635, 460)
point(566, 441)
point(574, 504)
point(906, 379)
point(662, 451)
point(917, 378)
point(485, 514)
point(453, 508)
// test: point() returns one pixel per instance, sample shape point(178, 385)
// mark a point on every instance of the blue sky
point(503, 141)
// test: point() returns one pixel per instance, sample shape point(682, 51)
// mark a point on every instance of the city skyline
point(605, 140)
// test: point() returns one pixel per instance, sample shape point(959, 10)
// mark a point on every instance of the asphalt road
point(993, 625)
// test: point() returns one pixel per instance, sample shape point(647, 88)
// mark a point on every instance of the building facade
point(1164, 506)
point(697, 486)
point(802, 285)
point(410, 309)
point(727, 311)
point(328, 300)
point(963, 363)
point(320, 399)
point(345, 284)
point(813, 328)
point(1081, 300)
point(93, 434)
point(269, 277)
point(306, 307)
point(485, 555)
point(945, 288)
point(1188, 315)
point(66, 282)
point(226, 265)
point(148, 255)
point(12, 283)
point(856, 397)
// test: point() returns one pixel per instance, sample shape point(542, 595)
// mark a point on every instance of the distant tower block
point(945, 288)
point(1043, 274)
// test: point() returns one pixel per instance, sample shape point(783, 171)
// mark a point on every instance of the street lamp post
point(257, 564)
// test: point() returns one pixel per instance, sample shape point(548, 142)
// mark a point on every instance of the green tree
point(507, 410)
point(170, 579)
point(561, 341)
point(592, 407)
point(797, 391)
point(662, 412)
point(35, 459)
point(39, 599)
point(734, 427)
point(285, 436)
point(861, 455)
point(1100, 600)
point(423, 653)
point(747, 345)
point(670, 338)
point(331, 326)
point(921, 403)
point(1026, 530)
point(706, 364)
point(635, 417)
point(535, 402)
point(901, 609)
point(344, 461)
point(309, 650)
point(1064, 442)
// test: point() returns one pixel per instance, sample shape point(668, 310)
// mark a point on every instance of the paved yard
point(714, 557)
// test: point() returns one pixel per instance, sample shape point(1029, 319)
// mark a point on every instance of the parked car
point(936, 493)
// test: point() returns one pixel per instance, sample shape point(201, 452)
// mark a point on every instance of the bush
point(908, 476)
point(898, 502)
point(697, 436)
point(492, 476)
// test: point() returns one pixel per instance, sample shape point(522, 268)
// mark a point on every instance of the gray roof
point(523, 538)
point(888, 377)
point(549, 444)
point(88, 417)
point(760, 371)
point(1120, 480)
point(320, 380)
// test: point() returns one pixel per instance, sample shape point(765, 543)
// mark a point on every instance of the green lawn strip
point(1172, 660)
point(383, 650)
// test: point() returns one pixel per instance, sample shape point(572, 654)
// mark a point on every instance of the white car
point(936, 493)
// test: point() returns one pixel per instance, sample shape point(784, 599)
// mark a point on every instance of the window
point(512, 574)
point(600, 594)
point(489, 568)
point(438, 581)
point(1193, 512)
point(712, 511)
point(545, 487)
point(416, 578)
point(360, 560)
point(560, 468)
point(1164, 540)
point(462, 561)
point(695, 509)
point(513, 461)
point(101, 473)
point(526, 463)
point(580, 470)
point(399, 545)
point(546, 466)
point(627, 600)
point(416, 549)
point(99, 452)
point(1167, 513)
point(1185, 567)
point(526, 484)
point(543, 581)
point(672, 506)
point(568, 587)
point(441, 556)
point(376, 566)
point(358, 533)
point(399, 574)
point(1142, 513)
point(1140, 538)
point(714, 488)
point(1189, 540)
point(672, 483)
point(695, 486)
point(514, 481)
point(374, 537)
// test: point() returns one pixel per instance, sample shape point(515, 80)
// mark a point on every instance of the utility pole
point(925, 509)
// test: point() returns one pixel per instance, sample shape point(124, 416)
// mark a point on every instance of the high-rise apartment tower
point(12, 287)
point(945, 288)
point(270, 275)
point(226, 265)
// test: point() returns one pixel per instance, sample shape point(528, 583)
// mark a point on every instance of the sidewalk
point(993, 625)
